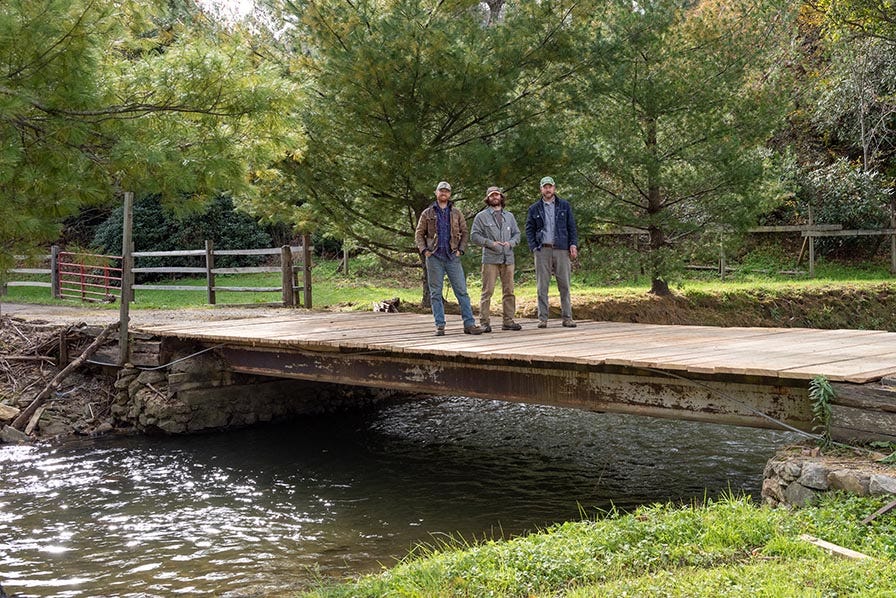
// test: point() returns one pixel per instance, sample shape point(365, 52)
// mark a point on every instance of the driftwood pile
point(42, 391)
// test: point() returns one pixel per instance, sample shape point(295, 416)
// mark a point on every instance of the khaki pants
point(490, 273)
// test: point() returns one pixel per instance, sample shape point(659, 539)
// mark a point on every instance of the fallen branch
point(887, 507)
point(26, 414)
point(28, 358)
point(34, 419)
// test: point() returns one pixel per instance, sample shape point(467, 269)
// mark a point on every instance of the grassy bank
point(728, 547)
point(838, 298)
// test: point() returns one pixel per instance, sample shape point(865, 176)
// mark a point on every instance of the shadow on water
point(272, 506)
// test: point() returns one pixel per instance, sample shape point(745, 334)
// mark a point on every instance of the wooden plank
point(247, 270)
point(862, 422)
point(866, 396)
point(30, 270)
point(170, 270)
point(851, 233)
point(790, 353)
point(794, 228)
point(17, 283)
point(834, 549)
point(181, 253)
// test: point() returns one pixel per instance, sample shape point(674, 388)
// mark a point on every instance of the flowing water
point(264, 511)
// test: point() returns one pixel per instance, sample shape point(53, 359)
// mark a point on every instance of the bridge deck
point(857, 356)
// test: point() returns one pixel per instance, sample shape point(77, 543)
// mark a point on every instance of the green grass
point(728, 547)
point(369, 281)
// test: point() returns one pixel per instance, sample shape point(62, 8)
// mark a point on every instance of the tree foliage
point(404, 93)
point(679, 112)
point(102, 96)
point(681, 109)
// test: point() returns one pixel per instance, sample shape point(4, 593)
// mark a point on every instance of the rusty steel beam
point(733, 400)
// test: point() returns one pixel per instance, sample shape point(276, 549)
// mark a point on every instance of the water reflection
point(266, 509)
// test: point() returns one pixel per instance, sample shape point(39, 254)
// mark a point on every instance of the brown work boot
point(512, 326)
point(569, 324)
point(472, 330)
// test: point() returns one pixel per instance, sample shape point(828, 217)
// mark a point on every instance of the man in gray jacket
point(496, 231)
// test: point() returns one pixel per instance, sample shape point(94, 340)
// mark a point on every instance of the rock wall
point(798, 479)
point(200, 394)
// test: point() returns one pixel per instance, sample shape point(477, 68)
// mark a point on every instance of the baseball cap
point(546, 181)
point(443, 185)
point(491, 190)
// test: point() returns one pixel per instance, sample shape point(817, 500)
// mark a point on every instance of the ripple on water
point(275, 506)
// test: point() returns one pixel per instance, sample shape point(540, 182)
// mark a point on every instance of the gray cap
point(443, 185)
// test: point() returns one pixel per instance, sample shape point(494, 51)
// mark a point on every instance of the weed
point(822, 393)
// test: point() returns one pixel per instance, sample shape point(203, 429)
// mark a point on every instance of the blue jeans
point(436, 269)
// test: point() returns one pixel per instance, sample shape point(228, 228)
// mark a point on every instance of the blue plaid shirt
point(443, 224)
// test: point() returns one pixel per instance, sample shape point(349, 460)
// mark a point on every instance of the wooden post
point(721, 257)
point(811, 245)
point(286, 277)
point(54, 272)
point(893, 237)
point(306, 268)
point(210, 271)
point(127, 277)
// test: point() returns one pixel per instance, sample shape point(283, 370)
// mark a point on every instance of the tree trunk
point(659, 287)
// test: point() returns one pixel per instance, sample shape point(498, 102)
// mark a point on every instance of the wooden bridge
point(740, 376)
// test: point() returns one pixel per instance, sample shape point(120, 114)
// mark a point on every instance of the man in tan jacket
point(441, 238)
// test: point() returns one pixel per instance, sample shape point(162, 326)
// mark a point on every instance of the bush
point(842, 193)
point(155, 229)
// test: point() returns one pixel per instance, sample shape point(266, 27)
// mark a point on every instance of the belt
point(548, 245)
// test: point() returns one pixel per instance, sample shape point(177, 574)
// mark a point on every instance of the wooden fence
point(96, 278)
point(809, 233)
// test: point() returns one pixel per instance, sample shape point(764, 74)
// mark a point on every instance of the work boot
point(472, 330)
point(486, 328)
point(511, 326)
point(440, 331)
point(542, 323)
point(569, 324)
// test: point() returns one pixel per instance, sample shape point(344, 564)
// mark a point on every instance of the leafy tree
point(101, 96)
point(854, 82)
point(867, 18)
point(404, 93)
point(677, 116)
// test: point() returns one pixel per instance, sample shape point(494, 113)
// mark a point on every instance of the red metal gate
point(89, 277)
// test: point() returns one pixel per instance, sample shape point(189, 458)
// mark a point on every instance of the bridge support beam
point(732, 400)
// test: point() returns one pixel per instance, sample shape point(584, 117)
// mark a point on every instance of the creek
point(264, 511)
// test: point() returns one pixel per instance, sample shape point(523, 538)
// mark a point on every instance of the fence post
point(209, 270)
point(127, 277)
point(286, 277)
point(893, 237)
point(306, 268)
point(721, 257)
point(54, 272)
point(811, 245)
